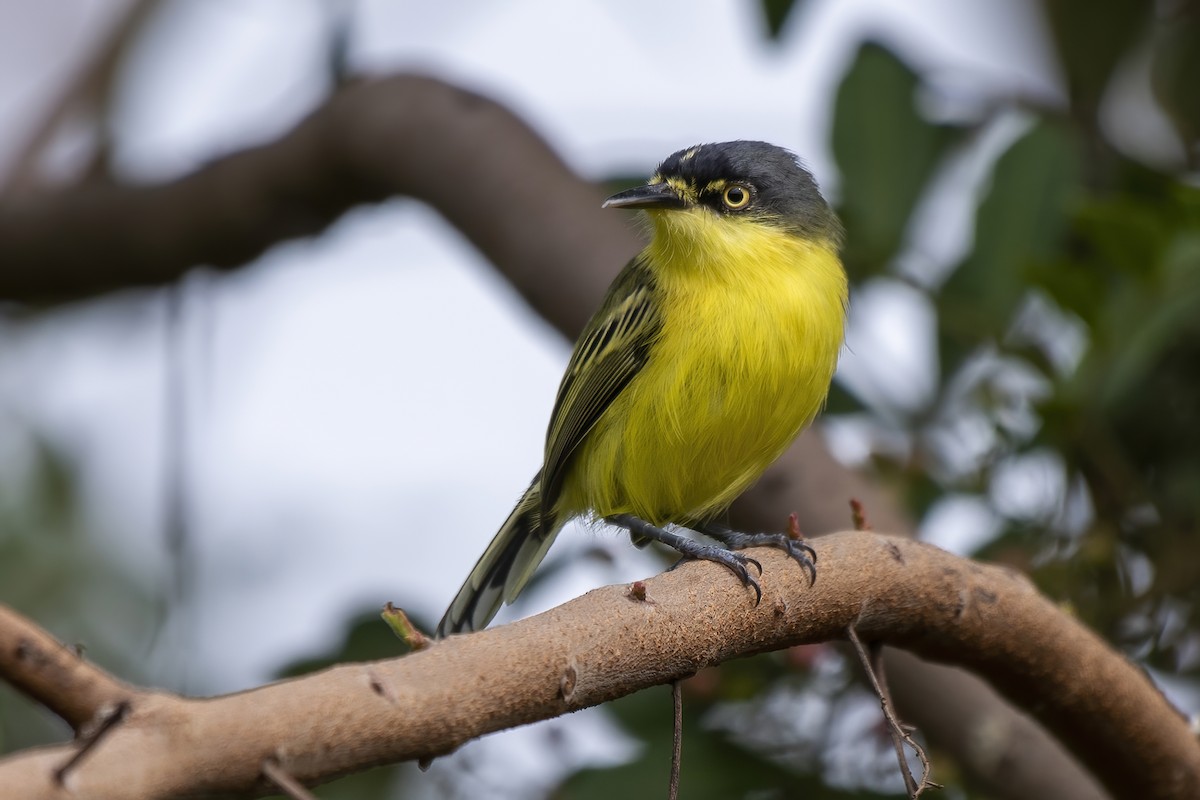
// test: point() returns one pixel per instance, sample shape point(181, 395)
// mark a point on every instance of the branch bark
point(609, 643)
point(54, 675)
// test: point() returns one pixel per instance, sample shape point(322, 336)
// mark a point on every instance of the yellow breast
point(753, 317)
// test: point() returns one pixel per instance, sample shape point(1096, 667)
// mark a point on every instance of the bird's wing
point(611, 351)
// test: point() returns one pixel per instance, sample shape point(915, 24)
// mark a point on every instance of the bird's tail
point(505, 567)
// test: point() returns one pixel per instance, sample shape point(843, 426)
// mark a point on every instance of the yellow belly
point(742, 365)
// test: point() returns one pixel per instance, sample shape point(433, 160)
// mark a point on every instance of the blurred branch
point(88, 90)
point(467, 156)
point(608, 643)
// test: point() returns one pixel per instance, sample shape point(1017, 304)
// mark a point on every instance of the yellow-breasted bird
point(712, 350)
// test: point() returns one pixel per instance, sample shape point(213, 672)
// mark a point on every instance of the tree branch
point(465, 155)
point(87, 90)
point(54, 675)
point(608, 643)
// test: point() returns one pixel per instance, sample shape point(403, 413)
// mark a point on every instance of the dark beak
point(654, 195)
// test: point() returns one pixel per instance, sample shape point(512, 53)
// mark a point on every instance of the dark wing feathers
point(610, 352)
point(612, 349)
point(504, 568)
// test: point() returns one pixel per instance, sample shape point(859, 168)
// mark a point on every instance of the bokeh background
point(216, 483)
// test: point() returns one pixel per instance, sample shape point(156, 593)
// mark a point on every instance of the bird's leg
point(795, 547)
point(735, 562)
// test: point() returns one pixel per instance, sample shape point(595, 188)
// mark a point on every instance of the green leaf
point(1127, 236)
point(1091, 39)
point(1021, 223)
point(842, 401)
point(1174, 67)
point(1136, 268)
point(886, 154)
point(1073, 284)
point(776, 13)
point(1153, 325)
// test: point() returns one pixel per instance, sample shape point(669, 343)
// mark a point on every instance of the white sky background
point(364, 407)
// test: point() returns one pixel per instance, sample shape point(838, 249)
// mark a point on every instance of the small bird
point(713, 348)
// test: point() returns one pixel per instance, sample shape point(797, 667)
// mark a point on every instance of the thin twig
point(89, 89)
point(677, 739)
point(178, 449)
point(873, 666)
point(284, 781)
point(404, 628)
point(875, 670)
point(858, 515)
point(89, 742)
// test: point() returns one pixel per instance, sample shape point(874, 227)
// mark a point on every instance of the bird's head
point(742, 181)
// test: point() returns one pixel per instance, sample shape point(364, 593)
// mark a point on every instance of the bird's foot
point(737, 563)
point(794, 546)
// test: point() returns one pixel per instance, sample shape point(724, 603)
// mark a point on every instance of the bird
point(712, 350)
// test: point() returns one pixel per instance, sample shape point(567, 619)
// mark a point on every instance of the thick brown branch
point(467, 156)
point(608, 643)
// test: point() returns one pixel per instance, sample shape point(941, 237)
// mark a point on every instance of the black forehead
point(765, 166)
point(787, 194)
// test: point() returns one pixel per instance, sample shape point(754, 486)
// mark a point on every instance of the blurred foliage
point(1104, 246)
point(367, 638)
point(776, 13)
point(1073, 239)
point(1020, 222)
point(1090, 46)
point(885, 167)
point(52, 574)
point(744, 735)
point(1175, 63)
point(1073, 242)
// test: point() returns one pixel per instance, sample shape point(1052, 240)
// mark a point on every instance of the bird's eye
point(736, 196)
